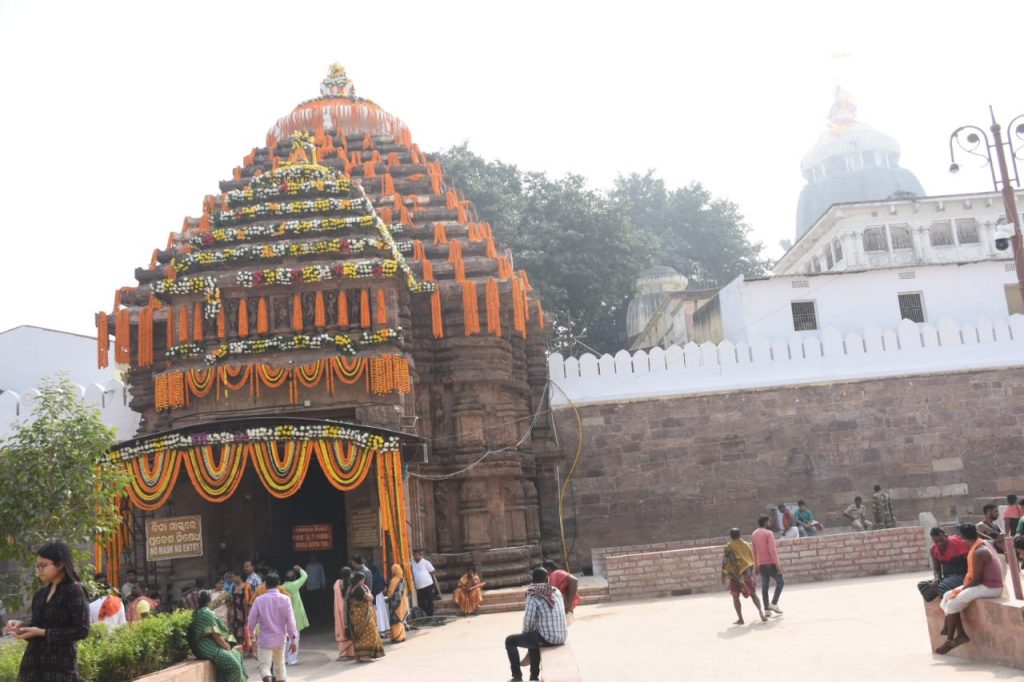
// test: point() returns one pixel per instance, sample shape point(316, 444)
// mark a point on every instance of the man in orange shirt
point(566, 583)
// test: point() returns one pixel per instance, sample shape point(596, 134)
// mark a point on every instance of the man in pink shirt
point(272, 614)
point(767, 559)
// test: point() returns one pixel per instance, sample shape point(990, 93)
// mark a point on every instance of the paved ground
point(868, 629)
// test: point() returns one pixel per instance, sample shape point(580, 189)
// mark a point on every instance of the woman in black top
point(60, 617)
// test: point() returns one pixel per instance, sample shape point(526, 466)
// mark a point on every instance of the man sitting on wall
point(988, 527)
point(805, 520)
point(949, 563)
point(543, 625)
point(984, 580)
point(786, 523)
point(858, 515)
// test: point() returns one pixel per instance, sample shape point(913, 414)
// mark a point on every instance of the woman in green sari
point(210, 640)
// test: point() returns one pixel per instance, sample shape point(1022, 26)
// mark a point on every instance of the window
point(828, 257)
point(837, 246)
point(941, 233)
point(911, 307)
point(815, 265)
point(805, 318)
point(901, 238)
point(875, 240)
point(967, 231)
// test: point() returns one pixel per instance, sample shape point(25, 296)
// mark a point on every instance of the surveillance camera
point(1003, 236)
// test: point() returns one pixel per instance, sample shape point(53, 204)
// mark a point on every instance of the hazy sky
point(119, 118)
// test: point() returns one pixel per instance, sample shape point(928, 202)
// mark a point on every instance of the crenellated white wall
point(798, 359)
point(110, 399)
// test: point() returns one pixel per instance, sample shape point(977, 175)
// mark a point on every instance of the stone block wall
point(685, 467)
point(827, 557)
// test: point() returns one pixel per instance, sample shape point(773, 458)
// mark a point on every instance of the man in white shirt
point(425, 582)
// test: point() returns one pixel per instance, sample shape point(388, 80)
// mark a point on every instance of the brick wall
point(673, 469)
point(828, 557)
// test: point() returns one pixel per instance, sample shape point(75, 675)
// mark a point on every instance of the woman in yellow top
point(469, 594)
point(398, 603)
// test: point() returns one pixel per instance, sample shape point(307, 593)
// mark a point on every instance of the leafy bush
point(131, 651)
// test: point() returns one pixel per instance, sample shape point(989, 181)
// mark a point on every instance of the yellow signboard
point(176, 537)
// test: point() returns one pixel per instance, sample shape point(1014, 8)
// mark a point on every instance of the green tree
point(584, 249)
point(56, 483)
point(702, 237)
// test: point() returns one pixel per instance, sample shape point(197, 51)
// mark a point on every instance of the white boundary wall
point(111, 400)
point(801, 359)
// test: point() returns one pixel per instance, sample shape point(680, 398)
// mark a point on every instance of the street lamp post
point(975, 141)
point(978, 144)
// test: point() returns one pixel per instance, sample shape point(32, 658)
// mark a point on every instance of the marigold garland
point(145, 351)
point(384, 374)
point(170, 326)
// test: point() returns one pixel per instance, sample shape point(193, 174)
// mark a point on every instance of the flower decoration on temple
point(257, 252)
point(259, 434)
point(192, 285)
point(300, 172)
point(220, 218)
point(289, 188)
point(317, 273)
point(287, 228)
point(348, 344)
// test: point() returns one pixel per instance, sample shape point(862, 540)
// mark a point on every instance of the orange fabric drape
point(262, 317)
point(518, 301)
point(491, 251)
point(183, 324)
point(417, 250)
point(437, 314)
point(243, 318)
point(382, 306)
point(364, 309)
point(440, 237)
point(454, 251)
point(385, 214)
point(428, 271)
point(102, 341)
point(493, 307)
point(170, 326)
point(320, 314)
point(222, 323)
point(297, 312)
point(197, 323)
point(342, 308)
point(470, 308)
point(122, 336)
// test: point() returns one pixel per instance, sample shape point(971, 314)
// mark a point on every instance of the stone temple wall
point(694, 466)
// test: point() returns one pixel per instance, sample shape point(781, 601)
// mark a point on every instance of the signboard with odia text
point(176, 537)
point(313, 538)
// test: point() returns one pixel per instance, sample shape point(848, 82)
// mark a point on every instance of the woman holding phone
point(60, 617)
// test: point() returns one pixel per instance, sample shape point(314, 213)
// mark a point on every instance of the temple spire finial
point(337, 83)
